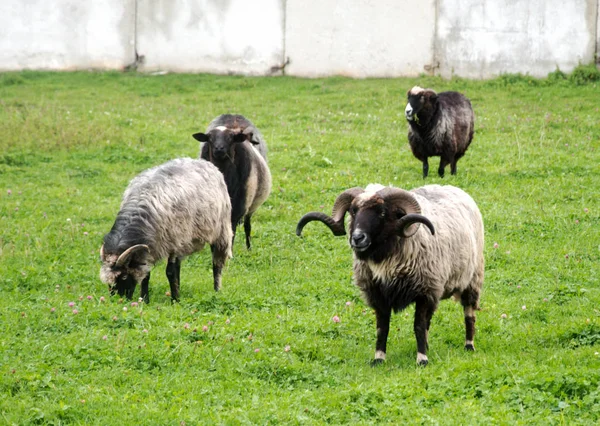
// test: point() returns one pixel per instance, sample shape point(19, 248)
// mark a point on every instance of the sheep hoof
point(422, 363)
point(376, 362)
point(470, 347)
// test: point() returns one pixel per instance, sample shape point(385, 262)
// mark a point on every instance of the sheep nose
point(360, 241)
point(220, 153)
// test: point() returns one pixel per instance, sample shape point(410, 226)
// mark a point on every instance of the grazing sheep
point(398, 262)
point(439, 125)
point(236, 147)
point(171, 211)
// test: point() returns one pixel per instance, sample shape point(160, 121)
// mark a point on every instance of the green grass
point(71, 142)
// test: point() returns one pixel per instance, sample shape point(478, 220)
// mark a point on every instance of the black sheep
point(439, 125)
point(239, 151)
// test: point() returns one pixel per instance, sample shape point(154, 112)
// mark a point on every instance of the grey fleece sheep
point(169, 211)
point(439, 125)
point(236, 147)
point(398, 262)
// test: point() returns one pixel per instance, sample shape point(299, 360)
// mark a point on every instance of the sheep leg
point(173, 269)
point(383, 329)
point(443, 163)
point(453, 166)
point(247, 230)
point(470, 301)
point(144, 293)
point(423, 312)
point(425, 168)
point(219, 257)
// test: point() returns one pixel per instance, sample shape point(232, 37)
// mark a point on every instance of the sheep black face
point(221, 142)
point(420, 106)
point(123, 272)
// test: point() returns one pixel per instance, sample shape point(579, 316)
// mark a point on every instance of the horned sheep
point(439, 125)
point(169, 211)
point(237, 148)
point(398, 262)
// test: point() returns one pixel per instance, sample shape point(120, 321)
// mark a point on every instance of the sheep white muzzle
point(408, 112)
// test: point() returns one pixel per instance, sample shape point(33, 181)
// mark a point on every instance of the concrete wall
point(359, 38)
point(479, 38)
point(66, 34)
point(219, 36)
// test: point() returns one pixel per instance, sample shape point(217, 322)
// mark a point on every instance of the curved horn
point(405, 200)
point(124, 257)
point(336, 222)
point(336, 227)
point(405, 223)
point(102, 252)
point(409, 204)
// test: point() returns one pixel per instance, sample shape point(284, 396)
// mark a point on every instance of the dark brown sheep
point(439, 125)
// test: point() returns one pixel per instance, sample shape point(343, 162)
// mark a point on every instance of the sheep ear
point(240, 137)
point(127, 255)
point(431, 95)
point(249, 131)
point(202, 137)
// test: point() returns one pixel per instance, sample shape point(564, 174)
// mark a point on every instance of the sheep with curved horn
point(398, 262)
point(169, 211)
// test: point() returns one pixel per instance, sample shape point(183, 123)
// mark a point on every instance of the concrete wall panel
point(66, 34)
point(482, 38)
point(214, 36)
point(359, 38)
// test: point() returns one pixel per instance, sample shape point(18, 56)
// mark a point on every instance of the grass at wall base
point(266, 350)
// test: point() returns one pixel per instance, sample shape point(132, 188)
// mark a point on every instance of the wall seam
point(435, 63)
point(597, 36)
point(283, 42)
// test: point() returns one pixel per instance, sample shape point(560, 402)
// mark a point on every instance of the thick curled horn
point(336, 222)
point(409, 220)
point(125, 256)
point(408, 224)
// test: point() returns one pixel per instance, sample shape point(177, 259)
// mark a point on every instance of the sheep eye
point(123, 277)
point(353, 210)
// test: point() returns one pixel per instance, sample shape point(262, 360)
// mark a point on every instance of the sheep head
point(122, 271)
point(421, 105)
point(222, 140)
point(378, 216)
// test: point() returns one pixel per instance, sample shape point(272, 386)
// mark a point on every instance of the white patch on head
point(221, 128)
point(416, 90)
point(421, 358)
point(380, 355)
point(370, 191)
point(408, 112)
point(374, 187)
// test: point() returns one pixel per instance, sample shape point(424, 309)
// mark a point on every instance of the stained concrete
point(481, 39)
point(66, 34)
point(214, 36)
point(358, 38)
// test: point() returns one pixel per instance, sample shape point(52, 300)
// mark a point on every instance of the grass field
point(265, 349)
